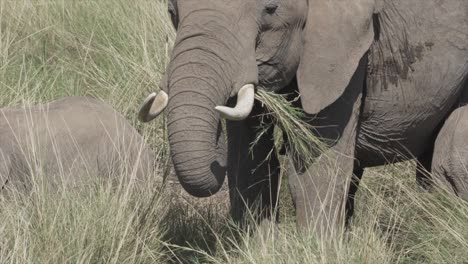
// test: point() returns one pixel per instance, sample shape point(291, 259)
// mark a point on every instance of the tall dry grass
point(116, 50)
point(112, 50)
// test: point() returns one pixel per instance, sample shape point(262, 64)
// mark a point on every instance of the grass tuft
point(302, 143)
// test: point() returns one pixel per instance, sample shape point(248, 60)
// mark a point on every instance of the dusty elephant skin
point(68, 140)
point(380, 78)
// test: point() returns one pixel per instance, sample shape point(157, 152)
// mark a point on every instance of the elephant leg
point(253, 171)
point(320, 189)
point(450, 161)
point(353, 187)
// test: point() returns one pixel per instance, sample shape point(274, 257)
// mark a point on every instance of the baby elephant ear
point(337, 34)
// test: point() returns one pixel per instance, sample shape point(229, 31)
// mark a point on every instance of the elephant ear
point(337, 34)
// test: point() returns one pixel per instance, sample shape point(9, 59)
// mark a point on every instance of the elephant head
point(226, 49)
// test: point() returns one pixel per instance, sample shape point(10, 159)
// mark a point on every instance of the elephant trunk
point(197, 140)
point(204, 73)
point(196, 137)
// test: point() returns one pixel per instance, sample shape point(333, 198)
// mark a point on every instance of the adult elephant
point(379, 76)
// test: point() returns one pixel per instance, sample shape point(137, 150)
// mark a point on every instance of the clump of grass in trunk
point(302, 143)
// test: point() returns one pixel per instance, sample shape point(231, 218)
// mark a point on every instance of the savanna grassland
point(116, 50)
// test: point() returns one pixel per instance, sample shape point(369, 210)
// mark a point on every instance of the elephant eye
point(271, 8)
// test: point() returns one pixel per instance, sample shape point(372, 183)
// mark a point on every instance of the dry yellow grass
point(116, 50)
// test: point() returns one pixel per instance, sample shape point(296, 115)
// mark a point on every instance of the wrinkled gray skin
point(69, 140)
point(380, 76)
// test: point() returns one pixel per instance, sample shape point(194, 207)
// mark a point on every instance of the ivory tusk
point(244, 105)
point(153, 105)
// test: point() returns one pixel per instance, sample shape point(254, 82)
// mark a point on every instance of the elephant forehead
point(226, 7)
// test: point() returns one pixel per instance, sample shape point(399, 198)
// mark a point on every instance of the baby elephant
point(450, 161)
point(66, 141)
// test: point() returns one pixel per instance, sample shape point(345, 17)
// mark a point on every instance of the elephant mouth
point(270, 76)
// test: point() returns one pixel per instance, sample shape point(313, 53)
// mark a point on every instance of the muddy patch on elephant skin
point(409, 55)
point(429, 44)
point(389, 67)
